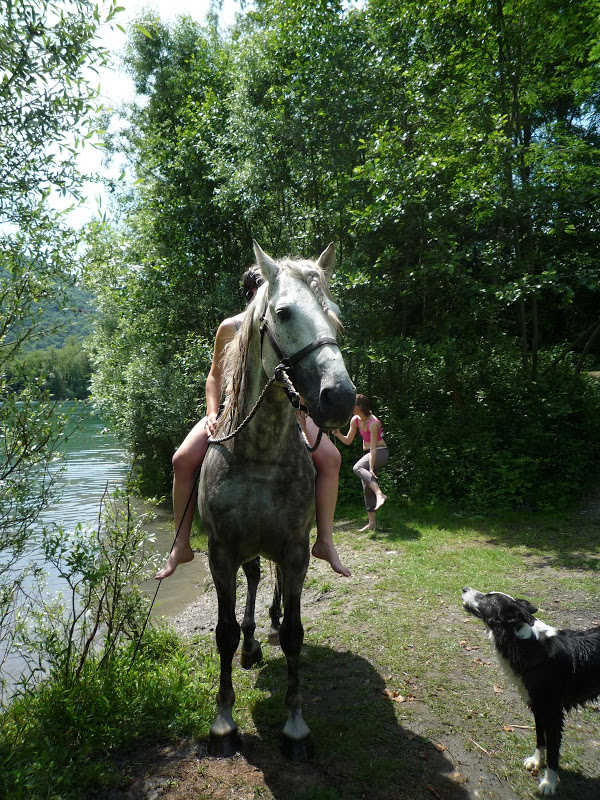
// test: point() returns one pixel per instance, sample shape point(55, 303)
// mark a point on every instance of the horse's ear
point(268, 267)
point(327, 261)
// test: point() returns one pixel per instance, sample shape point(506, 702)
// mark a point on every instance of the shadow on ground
point(361, 750)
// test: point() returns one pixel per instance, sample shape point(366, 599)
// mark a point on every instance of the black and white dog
point(554, 670)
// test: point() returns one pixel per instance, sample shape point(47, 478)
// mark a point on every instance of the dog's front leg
point(536, 761)
point(553, 724)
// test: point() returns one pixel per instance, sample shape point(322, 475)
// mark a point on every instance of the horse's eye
point(283, 313)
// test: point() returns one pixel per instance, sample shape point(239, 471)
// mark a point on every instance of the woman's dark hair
point(364, 404)
point(251, 280)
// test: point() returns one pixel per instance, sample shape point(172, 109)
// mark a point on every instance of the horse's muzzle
point(335, 405)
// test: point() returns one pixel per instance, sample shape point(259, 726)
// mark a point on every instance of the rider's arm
point(214, 381)
point(349, 437)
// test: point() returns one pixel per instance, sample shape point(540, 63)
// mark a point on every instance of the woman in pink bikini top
point(365, 430)
point(375, 455)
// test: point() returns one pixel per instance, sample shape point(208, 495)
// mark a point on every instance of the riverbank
point(401, 689)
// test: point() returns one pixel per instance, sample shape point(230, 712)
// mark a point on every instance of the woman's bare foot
point(328, 553)
point(367, 527)
point(180, 554)
point(381, 498)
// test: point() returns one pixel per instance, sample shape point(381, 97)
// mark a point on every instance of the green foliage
point(87, 653)
point(47, 51)
point(509, 441)
point(100, 605)
point(450, 150)
point(56, 741)
point(64, 373)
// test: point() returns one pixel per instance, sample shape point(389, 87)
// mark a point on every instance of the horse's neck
point(274, 426)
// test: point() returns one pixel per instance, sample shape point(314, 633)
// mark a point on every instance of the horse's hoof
point(274, 637)
point(248, 658)
point(224, 746)
point(298, 750)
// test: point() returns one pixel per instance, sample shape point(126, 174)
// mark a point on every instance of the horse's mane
point(236, 354)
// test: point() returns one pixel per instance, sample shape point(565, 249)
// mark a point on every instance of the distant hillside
point(57, 361)
point(77, 322)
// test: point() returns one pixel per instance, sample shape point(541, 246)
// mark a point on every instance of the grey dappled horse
point(256, 491)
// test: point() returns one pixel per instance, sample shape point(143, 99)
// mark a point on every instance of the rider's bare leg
point(186, 463)
point(327, 461)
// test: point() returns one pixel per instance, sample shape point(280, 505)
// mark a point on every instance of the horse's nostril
point(325, 398)
point(337, 400)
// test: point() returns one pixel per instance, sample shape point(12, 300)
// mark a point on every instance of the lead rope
point(243, 424)
point(187, 505)
point(294, 398)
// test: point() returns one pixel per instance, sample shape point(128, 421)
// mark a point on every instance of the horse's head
point(301, 322)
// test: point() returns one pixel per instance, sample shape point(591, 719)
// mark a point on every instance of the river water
point(93, 461)
point(93, 464)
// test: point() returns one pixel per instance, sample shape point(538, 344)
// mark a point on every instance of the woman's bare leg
point(327, 461)
point(186, 463)
point(371, 524)
point(379, 495)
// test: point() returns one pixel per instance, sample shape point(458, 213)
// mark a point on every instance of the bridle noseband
point(287, 363)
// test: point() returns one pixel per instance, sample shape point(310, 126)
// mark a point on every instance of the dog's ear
point(517, 613)
point(529, 607)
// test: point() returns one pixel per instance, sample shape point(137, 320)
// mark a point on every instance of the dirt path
point(455, 743)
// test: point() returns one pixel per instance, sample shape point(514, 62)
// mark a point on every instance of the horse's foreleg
point(297, 741)
point(251, 652)
point(224, 740)
point(275, 609)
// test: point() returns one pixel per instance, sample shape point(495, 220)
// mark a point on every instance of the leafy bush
point(511, 442)
point(55, 741)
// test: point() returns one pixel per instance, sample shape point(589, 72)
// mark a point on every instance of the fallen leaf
point(498, 690)
point(393, 695)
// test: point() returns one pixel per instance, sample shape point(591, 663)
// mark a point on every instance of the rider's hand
point(211, 420)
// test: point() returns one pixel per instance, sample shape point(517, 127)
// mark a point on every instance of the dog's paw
point(547, 787)
point(534, 762)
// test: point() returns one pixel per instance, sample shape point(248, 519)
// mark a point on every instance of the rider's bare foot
point(328, 553)
point(180, 554)
point(380, 501)
point(367, 527)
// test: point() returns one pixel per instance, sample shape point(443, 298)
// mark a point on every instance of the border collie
point(554, 670)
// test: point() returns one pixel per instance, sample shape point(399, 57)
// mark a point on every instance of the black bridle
point(287, 363)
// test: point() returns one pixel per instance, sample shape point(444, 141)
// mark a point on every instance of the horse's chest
point(272, 489)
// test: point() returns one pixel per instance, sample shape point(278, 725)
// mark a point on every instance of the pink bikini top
point(366, 435)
